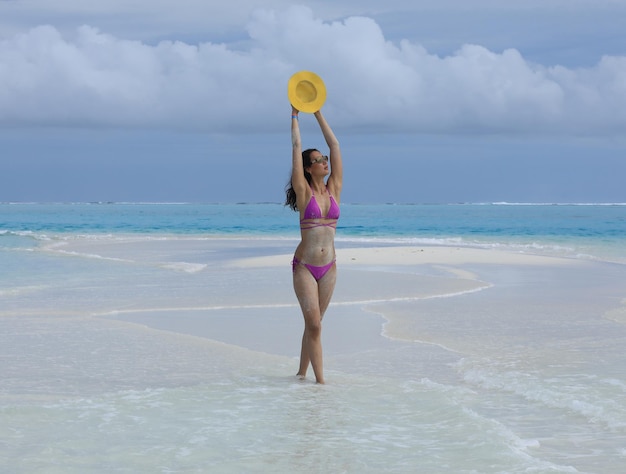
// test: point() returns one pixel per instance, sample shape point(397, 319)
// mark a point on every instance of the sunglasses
point(320, 159)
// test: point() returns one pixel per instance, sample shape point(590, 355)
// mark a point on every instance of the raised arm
point(335, 180)
point(298, 181)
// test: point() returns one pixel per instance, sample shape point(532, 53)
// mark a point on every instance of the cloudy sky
point(433, 101)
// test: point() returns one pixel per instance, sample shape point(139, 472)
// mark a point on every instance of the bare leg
point(304, 358)
point(314, 297)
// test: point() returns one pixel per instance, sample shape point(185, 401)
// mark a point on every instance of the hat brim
point(306, 91)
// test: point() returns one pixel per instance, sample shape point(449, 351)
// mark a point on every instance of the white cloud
point(91, 77)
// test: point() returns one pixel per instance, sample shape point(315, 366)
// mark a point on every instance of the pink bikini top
point(313, 212)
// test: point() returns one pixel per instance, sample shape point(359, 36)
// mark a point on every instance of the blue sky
point(438, 101)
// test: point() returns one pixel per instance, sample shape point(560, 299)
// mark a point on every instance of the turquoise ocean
point(592, 230)
point(118, 353)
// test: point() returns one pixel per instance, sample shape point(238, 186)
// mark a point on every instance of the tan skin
point(317, 245)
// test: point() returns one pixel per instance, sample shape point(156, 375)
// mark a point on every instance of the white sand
point(416, 256)
point(384, 290)
point(258, 309)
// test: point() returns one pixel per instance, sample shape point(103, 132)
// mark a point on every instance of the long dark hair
point(291, 200)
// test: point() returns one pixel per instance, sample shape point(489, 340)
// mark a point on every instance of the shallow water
point(149, 353)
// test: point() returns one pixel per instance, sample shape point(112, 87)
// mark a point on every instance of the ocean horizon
point(578, 230)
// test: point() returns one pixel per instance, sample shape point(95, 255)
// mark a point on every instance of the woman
point(314, 269)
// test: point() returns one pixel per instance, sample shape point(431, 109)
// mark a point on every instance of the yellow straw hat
point(306, 91)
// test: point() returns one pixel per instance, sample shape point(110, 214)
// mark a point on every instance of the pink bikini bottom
point(317, 272)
